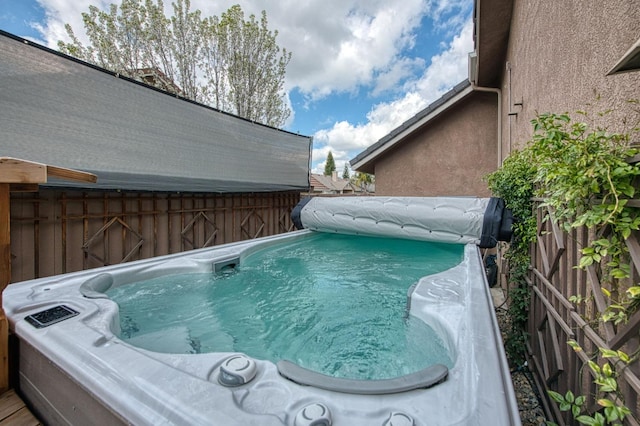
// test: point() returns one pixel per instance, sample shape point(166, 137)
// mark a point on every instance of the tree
point(329, 165)
point(364, 180)
point(345, 172)
point(254, 65)
point(188, 37)
point(229, 63)
point(138, 36)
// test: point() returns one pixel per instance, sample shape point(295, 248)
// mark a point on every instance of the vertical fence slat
point(63, 233)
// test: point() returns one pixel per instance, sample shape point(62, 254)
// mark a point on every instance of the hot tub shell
point(78, 371)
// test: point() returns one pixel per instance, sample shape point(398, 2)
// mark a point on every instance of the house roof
point(322, 181)
point(59, 110)
point(364, 162)
point(156, 78)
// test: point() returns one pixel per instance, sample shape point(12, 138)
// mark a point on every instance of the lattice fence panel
point(566, 303)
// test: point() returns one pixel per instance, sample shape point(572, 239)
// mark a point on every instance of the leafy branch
point(606, 379)
point(585, 178)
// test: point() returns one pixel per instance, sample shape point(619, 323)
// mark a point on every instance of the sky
point(359, 68)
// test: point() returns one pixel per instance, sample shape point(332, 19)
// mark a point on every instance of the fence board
point(54, 232)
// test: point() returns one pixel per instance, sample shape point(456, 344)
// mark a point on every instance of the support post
point(5, 279)
point(20, 175)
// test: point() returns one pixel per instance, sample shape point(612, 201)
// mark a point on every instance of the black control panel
point(51, 316)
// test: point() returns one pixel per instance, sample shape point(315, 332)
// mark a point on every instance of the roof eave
point(492, 19)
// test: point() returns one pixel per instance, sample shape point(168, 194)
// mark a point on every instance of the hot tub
point(75, 369)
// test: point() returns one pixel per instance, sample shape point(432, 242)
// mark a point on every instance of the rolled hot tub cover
point(463, 220)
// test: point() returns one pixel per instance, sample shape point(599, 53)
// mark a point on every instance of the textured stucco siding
point(558, 55)
point(448, 157)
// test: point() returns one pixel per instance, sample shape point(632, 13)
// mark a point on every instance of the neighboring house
point(321, 184)
point(173, 174)
point(156, 78)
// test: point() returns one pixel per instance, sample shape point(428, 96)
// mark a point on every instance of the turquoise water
point(335, 304)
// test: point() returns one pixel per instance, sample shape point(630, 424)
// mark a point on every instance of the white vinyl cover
point(443, 219)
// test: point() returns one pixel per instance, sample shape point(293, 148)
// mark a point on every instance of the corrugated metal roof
point(460, 90)
point(61, 111)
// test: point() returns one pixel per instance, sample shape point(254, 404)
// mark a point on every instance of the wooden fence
point(556, 316)
point(54, 231)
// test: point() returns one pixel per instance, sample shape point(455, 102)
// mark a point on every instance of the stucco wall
point(449, 157)
point(558, 55)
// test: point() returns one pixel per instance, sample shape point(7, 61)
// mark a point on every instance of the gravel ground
point(531, 412)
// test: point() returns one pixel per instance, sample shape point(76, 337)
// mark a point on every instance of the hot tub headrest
point(425, 378)
point(482, 221)
point(95, 287)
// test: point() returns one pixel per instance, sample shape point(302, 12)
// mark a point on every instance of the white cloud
point(390, 79)
point(340, 45)
point(446, 70)
point(61, 12)
point(383, 118)
point(446, 14)
point(340, 158)
point(344, 139)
